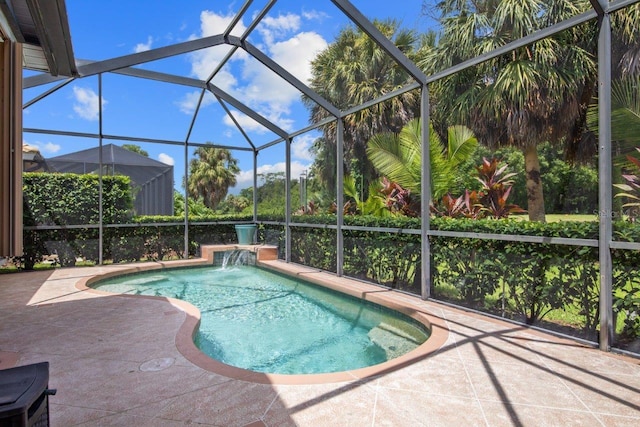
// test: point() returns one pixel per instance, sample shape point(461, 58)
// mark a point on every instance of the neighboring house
point(152, 181)
point(32, 160)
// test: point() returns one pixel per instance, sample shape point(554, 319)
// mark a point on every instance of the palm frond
point(461, 144)
point(394, 160)
point(625, 116)
point(399, 156)
point(349, 188)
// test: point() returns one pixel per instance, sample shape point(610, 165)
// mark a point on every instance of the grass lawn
point(562, 217)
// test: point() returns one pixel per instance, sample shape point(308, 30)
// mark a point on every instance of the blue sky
point(292, 34)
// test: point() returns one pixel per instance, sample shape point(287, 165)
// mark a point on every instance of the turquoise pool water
point(263, 321)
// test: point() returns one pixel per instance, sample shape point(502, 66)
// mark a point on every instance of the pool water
point(263, 321)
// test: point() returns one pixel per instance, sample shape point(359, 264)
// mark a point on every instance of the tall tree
point(135, 149)
point(211, 174)
point(533, 94)
point(626, 42)
point(350, 72)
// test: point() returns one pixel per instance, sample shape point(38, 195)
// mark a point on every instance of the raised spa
point(262, 321)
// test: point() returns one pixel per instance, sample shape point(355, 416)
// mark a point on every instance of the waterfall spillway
point(238, 257)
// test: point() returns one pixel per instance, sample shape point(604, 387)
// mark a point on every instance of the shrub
point(70, 199)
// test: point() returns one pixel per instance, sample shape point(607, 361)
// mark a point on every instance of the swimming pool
point(263, 321)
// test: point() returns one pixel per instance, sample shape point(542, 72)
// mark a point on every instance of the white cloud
point(86, 103)
point(204, 61)
point(250, 81)
point(270, 28)
point(278, 118)
point(315, 15)
point(264, 87)
point(166, 159)
point(245, 178)
point(288, 22)
point(266, 91)
point(250, 125)
point(301, 147)
point(212, 24)
point(141, 47)
point(246, 122)
point(296, 53)
point(45, 147)
point(189, 102)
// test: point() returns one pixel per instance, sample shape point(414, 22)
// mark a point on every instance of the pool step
point(394, 341)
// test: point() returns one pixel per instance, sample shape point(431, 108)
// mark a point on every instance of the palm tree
point(625, 118)
point(399, 156)
point(211, 174)
point(350, 72)
point(136, 149)
point(626, 33)
point(533, 94)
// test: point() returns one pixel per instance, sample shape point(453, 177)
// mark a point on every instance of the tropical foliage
point(351, 71)
point(196, 206)
point(373, 205)
point(568, 188)
point(385, 199)
point(496, 187)
point(631, 189)
point(489, 202)
point(626, 33)
point(211, 174)
point(236, 204)
point(136, 149)
point(625, 117)
point(399, 156)
point(522, 98)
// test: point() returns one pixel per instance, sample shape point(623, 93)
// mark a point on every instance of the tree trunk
point(535, 199)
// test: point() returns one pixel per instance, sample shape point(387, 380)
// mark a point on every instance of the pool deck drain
point(486, 373)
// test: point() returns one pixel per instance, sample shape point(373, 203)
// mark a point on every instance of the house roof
point(111, 154)
point(42, 26)
point(139, 168)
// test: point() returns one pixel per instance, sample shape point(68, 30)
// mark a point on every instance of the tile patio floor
point(114, 362)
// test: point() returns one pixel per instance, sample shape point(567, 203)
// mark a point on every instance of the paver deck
point(114, 362)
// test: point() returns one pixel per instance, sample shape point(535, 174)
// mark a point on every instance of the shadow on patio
point(114, 362)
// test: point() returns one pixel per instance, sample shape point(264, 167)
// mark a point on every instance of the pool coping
point(386, 297)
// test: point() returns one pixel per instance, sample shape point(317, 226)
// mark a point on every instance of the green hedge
point(531, 279)
point(64, 199)
point(524, 281)
point(69, 199)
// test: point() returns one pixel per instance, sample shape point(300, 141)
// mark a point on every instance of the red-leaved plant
point(490, 202)
point(398, 199)
point(631, 190)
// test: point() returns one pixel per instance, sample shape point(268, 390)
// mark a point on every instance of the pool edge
point(385, 297)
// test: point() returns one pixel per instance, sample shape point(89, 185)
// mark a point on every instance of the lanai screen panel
point(152, 181)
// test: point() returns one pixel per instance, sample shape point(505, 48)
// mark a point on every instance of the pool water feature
point(263, 321)
point(237, 257)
